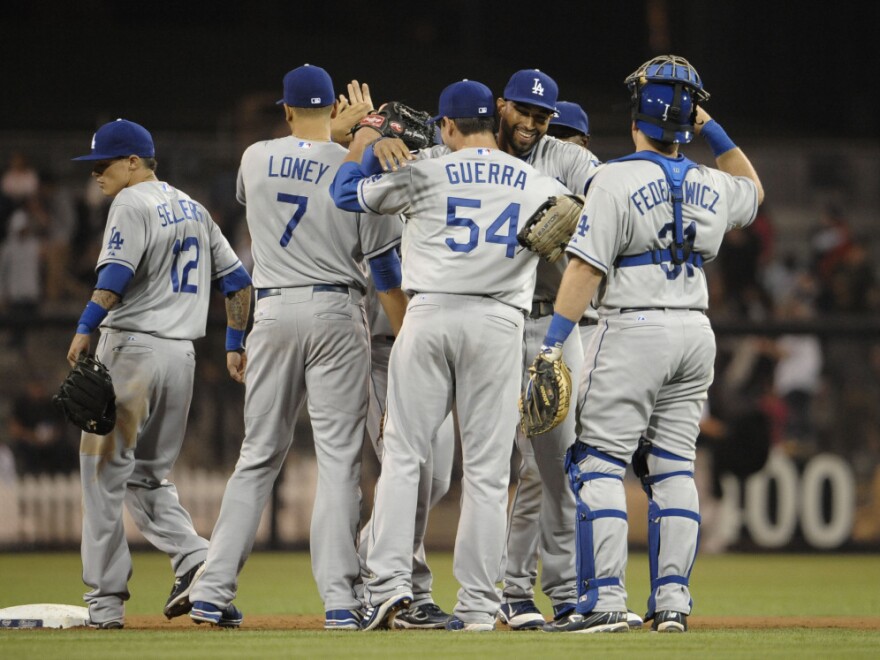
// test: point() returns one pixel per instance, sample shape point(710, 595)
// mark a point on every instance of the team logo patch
point(115, 242)
point(483, 152)
point(373, 121)
point(305, 145)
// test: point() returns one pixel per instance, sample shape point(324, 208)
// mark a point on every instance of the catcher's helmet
point(665, 92)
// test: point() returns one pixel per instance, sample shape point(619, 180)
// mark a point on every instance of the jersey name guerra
point(462, 213)
point(174, 248)
point(568, 163)
point(628, 211)
point(298, 235)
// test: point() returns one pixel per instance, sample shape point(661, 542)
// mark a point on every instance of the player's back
point(568, 163)
point(464, 212)
point(175, 249)
point(637, 193)
point(298, 235)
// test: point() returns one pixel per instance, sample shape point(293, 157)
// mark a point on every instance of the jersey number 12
point(180, 283)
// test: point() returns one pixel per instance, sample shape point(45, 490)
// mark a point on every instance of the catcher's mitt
point(545, 401)
point(549, 229)
point(87, 396)
point(398, 120)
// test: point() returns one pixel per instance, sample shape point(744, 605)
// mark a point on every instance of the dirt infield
point(303, 622)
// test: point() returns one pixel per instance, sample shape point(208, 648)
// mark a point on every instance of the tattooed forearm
point(238, 308)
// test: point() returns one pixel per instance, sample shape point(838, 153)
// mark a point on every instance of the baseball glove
point(549, 229)
point(87, 397)
point(398, 120)
point(545, 401)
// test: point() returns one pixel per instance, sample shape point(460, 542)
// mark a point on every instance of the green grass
point(728, 585)
point(418, 645)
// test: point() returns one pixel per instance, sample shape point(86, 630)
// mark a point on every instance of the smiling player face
point(521, 125)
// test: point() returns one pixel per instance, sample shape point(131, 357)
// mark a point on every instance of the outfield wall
point(787, 506)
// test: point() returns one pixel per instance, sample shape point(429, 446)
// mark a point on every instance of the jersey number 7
point(301, 205)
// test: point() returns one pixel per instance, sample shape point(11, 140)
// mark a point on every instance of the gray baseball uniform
point(309, 337)
point(174, 249)
point(543, 508)
point(648, 368)
point(381, 343)
point(542, 513)
point(462, 338)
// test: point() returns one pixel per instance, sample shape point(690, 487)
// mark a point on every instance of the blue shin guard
point(601, 467)
point(673, 527)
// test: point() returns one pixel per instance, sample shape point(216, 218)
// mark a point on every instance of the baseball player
point(651, 220)
point(309, 338)
point(161, 252)
point(462, 337)
point(570, 124)
point(543, 509)
point(423, 613)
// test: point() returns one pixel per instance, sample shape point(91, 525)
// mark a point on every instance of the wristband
point(560, 328)
point(234, 340)
point(717, 138)
point(91, 318)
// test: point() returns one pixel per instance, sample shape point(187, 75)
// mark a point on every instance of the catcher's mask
point(665, 92)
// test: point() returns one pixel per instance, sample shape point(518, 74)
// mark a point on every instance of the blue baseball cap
point(308, 86)
point(533, 87)
point(466, 98)
point(571, 115)
point(120, 138)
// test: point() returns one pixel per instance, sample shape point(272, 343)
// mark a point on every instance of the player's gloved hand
point(551, 353)
point(546, 398)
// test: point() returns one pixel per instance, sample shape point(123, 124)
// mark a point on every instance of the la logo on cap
point(538, 88)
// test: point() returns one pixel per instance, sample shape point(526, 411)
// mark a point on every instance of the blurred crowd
point(804, 392)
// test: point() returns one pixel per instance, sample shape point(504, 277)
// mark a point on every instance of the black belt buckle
point(540, 309)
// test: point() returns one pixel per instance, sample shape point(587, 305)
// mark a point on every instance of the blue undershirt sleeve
point(234, 281)
point(115, 278)
point(385, 270)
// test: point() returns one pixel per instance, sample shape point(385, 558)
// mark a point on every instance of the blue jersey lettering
point(489, 173)
point(301, 169)
point(698, 194)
